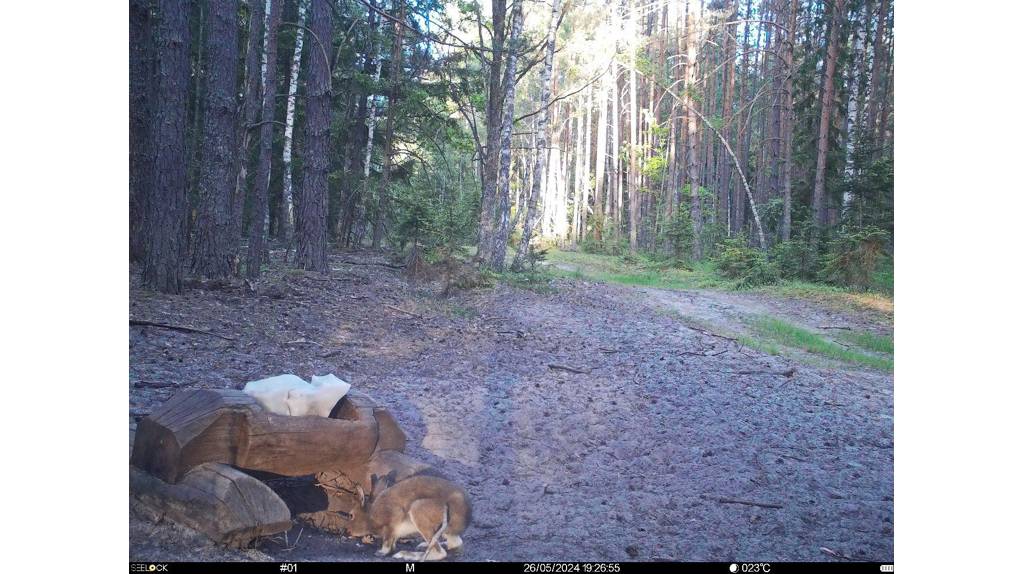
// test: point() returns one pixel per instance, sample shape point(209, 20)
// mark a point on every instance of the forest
point(756, 136)
point(621, 272)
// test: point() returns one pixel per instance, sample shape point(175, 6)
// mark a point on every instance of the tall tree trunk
point(251, 105)
point(586, 164)
point(634, 192)
point(819, 206)
point(395, 81)
point(371, 128)
point(600, 160)
point(490, 162)
point(286, 217)
point(258, 218)
point(788, 121)
point(166, 208)
point(696, 216)
point(728, 86)
point(615, 199)
point(507, 119)
point(140, 120)
point(532, 214)
point(312, 245)
point(739, 200)
point(875, 92)
point(212, 255)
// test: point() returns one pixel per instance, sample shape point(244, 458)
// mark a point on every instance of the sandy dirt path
point(670, 444)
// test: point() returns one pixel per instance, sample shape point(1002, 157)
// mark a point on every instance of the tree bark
point(140, 121)
point(286, 214)
point(696, 216)
point(819, 206)
point(490, 161)
point(311, 253)
point(788, 121)
point(395, 81)
point(632, 179)
point(258, 217)
point(875, 93)
point(600, 159)
point(505, 161)
point(532, 214)
point(251, 104)
point(212, 254)
point(166, 208)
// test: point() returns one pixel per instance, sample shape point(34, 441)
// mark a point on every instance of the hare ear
point(362, 496)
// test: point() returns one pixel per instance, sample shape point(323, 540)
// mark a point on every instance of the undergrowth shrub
point(749, 267)
point(853, 257)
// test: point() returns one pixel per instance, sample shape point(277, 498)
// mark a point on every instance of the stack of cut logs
point(215, 461)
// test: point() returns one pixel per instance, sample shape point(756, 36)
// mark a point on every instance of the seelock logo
point(146, 567)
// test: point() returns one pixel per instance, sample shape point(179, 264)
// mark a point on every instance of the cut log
point(229, 427)
point(358, 406)
point(224, 503)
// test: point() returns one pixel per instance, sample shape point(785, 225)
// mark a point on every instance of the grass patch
point(637, 271)
point(870, 341)
point(790, 335)
point(536, 281)
point(456, 310)
point(759, 345)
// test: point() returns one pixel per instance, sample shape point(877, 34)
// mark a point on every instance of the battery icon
point(885, 567)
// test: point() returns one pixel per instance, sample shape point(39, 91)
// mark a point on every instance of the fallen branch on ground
point(831, 327)
point(148, 385)
point(748, 502)
point(570, 369)
point(787, 373)
point(393, 308)
point(390, 265)
point(835, 554)
point(141, 323)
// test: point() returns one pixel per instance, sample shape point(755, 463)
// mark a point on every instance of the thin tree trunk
point(601, 161)
point(212, 249)
point(532, 214)
point(586, 165)
point(634, 194)
point(739, 201)
point(729, 82)
point(257, 220)
point(875, 94)
point(166, 208)
point(788, 121)
point(696, 216)
point(286, 217)
point(389, 128)
point(251, 105)
point(311, 253)
point(371, 128)
point(819, 206)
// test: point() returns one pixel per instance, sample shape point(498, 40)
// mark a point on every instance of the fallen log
point(229, 506)
point(229, 427)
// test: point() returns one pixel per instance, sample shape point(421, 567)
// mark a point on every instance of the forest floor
point(587, 420)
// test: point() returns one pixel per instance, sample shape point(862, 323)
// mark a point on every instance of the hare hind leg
point(431, 520)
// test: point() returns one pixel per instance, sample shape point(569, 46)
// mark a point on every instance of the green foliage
point(853, 257)
point(680, 234)
point(796, 259)
point(750, 267)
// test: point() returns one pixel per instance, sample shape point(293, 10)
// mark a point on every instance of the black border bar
point(506, 567)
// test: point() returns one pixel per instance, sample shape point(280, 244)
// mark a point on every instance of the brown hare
point(426, 505)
